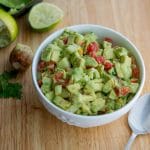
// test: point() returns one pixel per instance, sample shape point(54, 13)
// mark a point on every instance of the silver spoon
point(139, 119)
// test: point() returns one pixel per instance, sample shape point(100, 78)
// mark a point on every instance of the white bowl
point(89, 121)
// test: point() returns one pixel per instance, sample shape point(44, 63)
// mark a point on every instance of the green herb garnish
point(7, 88)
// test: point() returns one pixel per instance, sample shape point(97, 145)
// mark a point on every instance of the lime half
point(44, 16)
point(8, 29)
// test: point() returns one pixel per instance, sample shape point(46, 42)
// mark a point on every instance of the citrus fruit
point(8, 29)
point(44, 16)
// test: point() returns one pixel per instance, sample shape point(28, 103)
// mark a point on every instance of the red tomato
point(135, 72)
point(108, 39)
point(100, 59)
point(134, 80)
point(108, 65)
point(116, 91)
point(65, 40)
point(59, 79)
point(124, 90)
point(92, 47)
point(41, 65)
point(50, 65)
point(92, 54)
point(59, 76)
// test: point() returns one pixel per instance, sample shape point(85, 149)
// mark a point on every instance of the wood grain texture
point(26, 125)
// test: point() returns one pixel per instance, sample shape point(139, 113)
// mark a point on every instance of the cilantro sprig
point(7, 88)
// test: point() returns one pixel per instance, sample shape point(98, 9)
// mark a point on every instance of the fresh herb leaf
point(9, 75)
point(8, 89)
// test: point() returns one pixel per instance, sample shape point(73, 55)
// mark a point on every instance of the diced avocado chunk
point(65, 93)
point(58, 89)
point(108, 86)
point(118, 69)
point(77, 74)
point(108, 53)
point(51, 52)
point(47, 80)
point(45, 88)
point(97, 105)
point(72, 48)
point(87, 98)
point(90, 37)
point(106, 44)
point(63, 63)
point(86, 109)
point(120, 51)
point(46, 84)
point(93, 73)
point(46, 55)
point(74, 88)
point(90, 62)
point(79, 39)
point(124, 70)
point(71, 39)
point(134, 87)
point(110, 105)
point(73, 108)
point(77, 60)
point(55, 56)
point(93, 85)
point(59, 101)
point(112, 95)
point(119, 103)
point(50, 95)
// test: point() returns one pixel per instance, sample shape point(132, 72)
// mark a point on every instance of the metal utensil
point(139, 119)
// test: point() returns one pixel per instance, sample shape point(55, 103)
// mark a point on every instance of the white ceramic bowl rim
point(38, 53)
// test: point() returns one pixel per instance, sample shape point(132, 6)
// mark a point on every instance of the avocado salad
point(84, 75)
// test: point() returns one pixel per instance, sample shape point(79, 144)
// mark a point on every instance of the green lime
point(44, 16)
point(8, 29)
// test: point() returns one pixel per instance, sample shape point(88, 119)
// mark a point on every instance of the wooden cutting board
point(26, 125)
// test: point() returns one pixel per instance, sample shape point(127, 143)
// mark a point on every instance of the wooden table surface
point(26, 125)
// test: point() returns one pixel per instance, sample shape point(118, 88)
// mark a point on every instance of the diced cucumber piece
point(58, 89)
point(50, 95)
point(90, 62)
point(74, 88)
point(97, 105)
point(59, 101)
point(106, 44)
point(63, 63)
point(108, 53)
point(108, 86)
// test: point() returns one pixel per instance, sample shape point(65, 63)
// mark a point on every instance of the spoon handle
point(130, 141)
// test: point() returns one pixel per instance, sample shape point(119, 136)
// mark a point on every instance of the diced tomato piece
point(116, 91)
point(64, 82)
point(40, 83)
point(65, 40)
point(59, 79)
point(92, 54)
point(108, 39)
point(135, 72)
point(134, 80)
point(41, 65)
point(108, 65)
point(50, 65)
point(58, 76)
point(92, 47)
point(100, 59)
point(124, 90)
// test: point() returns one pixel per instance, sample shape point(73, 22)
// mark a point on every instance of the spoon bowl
point(139, 119)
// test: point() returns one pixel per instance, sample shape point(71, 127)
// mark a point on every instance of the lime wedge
point(8, 29)
point(44, 16)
